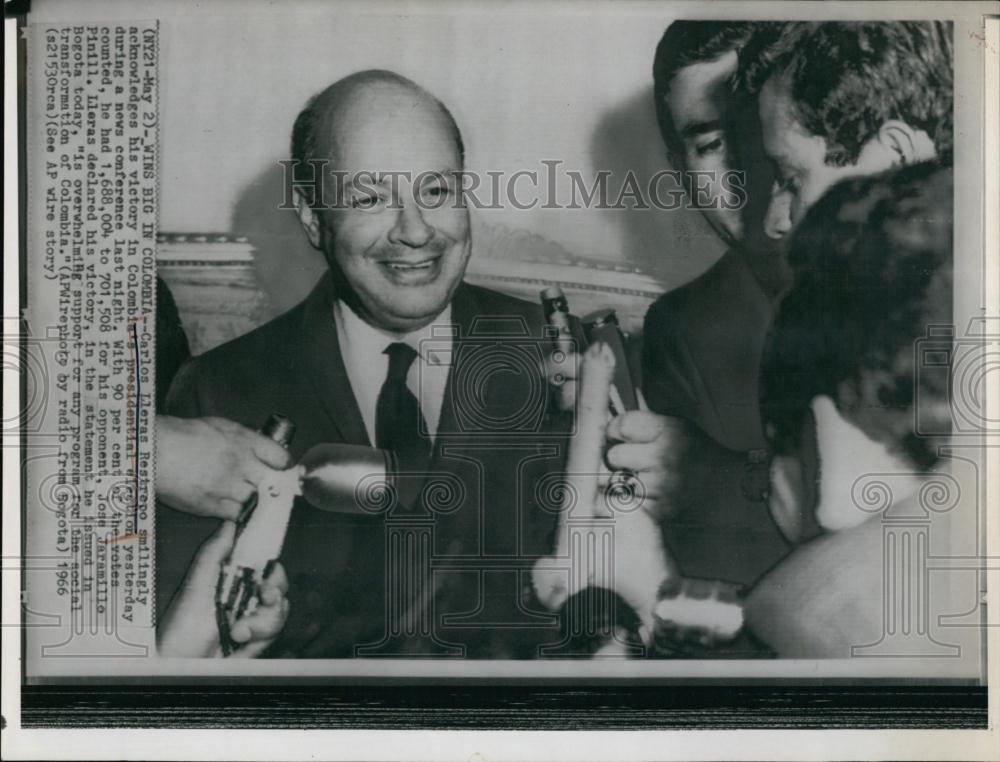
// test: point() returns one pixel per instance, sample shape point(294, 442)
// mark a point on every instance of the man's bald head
point(389, 218)
point(330, 113)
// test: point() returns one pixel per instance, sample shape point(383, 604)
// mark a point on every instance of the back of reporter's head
point(847, 79)
point(872, 264)
point(838, 100)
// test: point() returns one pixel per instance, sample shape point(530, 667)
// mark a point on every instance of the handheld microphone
point(260, 533)
point(344, 478)
point(598, 326)
point(568, 337)
point(338, 478)
point(603, 326)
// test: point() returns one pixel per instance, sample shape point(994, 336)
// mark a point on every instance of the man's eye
point(713, 146)
point(437, 191)
point(364, 202)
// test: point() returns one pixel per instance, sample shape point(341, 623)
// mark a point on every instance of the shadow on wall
point(287, 266)
point(672, 245)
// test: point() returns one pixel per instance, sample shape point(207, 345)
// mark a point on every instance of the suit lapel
point(464, 309)
point(324, 365)
point(457, 452)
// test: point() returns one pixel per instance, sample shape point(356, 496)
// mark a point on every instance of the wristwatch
point(694, 614)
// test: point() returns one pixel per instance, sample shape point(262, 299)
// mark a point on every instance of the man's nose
point(778, 220)
point(411, 229)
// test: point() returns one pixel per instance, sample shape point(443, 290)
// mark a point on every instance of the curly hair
point(847, 79)
point(872, 263)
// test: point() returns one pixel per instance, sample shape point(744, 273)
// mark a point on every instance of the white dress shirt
point(362, 347)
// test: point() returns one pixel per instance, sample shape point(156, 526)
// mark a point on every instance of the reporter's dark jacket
point(702, 347)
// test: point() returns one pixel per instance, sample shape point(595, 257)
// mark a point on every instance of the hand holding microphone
point(339, 478)
point(606, 537)
point(570, 337)
point(633, 461)
point(212, 466)
point(189, 628)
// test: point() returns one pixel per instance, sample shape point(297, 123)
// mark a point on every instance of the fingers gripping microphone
point(338, 478)
point(603, 326)
point(589, 536)
point(260, 533)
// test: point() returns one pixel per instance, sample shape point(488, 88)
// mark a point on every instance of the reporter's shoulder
point(724, 301)
point(727, 275)
point(256, 347)
point(231, 364)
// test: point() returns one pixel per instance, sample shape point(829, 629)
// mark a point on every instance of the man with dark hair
point(841, 385)
point(873, 267)
point(693, 64)
point(394, 350)
point(840, 100)
point(832, 101)
point(702, 341)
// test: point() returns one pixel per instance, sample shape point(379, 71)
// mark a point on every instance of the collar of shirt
point(362, 347)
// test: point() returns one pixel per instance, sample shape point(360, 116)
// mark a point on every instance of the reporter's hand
point(653, 447)
point(210, 466)
point(189, 627)
point(640, 561)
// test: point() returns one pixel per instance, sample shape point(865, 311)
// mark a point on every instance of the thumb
point(583, 464)
point(270, 452)
point(212, 554)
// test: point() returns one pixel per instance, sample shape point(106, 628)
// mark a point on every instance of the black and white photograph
point(599, 366)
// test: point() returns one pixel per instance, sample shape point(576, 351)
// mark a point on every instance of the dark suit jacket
point(702, 347)
point(172, 349)
point(497, 438)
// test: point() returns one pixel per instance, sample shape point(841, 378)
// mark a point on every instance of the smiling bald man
point(393, 350)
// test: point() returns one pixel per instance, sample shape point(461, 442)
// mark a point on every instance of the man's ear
point(309, 218)
point(909, 145)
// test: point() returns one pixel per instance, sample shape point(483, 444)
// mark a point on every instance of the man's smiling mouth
point(409, 266)
point(416, 272)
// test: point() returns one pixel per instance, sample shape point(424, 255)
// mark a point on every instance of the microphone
point(599, 544)
point(568, 337)
point(598, 326)
point(351, 479)
point(339, 478)
point(260, 533)
point(603, 326)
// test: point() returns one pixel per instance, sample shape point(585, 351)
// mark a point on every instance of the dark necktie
point(399, 424)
